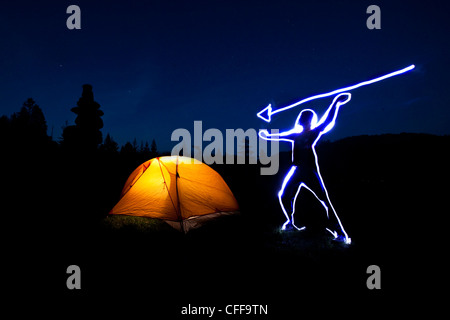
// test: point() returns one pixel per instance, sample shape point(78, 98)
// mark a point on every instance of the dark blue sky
point(159, 65)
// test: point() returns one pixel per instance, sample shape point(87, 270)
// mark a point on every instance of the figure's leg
point(281, 196)
point(288, 195)
point(293, 201)
point(335, 226)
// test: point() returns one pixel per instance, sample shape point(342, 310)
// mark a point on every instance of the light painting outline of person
point(305, 172)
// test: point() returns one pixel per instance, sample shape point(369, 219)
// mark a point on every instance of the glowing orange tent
point(182, 191)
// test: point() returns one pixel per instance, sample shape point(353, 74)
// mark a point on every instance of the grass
point(230, 234)
point(119, 223)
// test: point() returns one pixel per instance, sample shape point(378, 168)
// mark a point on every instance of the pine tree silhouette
point(86, 134)
point(154, 149)
point(109, 145)
point(128, 149)
point(146, 148)
point(28, 128)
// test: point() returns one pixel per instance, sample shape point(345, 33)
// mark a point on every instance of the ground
point(388, 193)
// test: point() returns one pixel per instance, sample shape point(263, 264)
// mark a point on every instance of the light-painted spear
point(267, 112)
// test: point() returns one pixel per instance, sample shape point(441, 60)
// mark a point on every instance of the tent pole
point(178, 198)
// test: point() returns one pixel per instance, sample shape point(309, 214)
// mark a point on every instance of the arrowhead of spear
point(265, 113)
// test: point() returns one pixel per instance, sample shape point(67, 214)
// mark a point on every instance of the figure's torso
point(304, 148)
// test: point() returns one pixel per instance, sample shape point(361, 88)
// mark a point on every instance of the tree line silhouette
point(26, 130)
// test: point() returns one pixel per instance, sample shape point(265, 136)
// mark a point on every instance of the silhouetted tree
point(109, 145)
point(28, 128)
point(154, 149)
point(146, 148)
point(86, 134)
point(135, 146)
point(128, 149)
point(38, 125)
point(144, 151)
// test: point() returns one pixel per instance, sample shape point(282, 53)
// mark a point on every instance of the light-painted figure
point(305, 171)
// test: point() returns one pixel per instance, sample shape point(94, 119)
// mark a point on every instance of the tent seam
point(164, 179)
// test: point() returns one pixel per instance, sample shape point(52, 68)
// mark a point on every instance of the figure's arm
point(327, 121)
point(264, 134)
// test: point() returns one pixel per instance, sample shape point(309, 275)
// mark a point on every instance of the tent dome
point(182, 191)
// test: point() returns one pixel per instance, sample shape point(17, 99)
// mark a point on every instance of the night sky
point(156, 66)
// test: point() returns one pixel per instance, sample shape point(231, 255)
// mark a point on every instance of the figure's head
point(307, 119)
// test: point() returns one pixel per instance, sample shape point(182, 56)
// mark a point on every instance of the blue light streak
point(269, 110)
point(280, 195)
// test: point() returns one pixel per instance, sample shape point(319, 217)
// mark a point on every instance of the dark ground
point(391, 193)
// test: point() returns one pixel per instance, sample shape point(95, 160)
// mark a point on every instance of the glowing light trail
point(325, 124)
point(267, 112)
